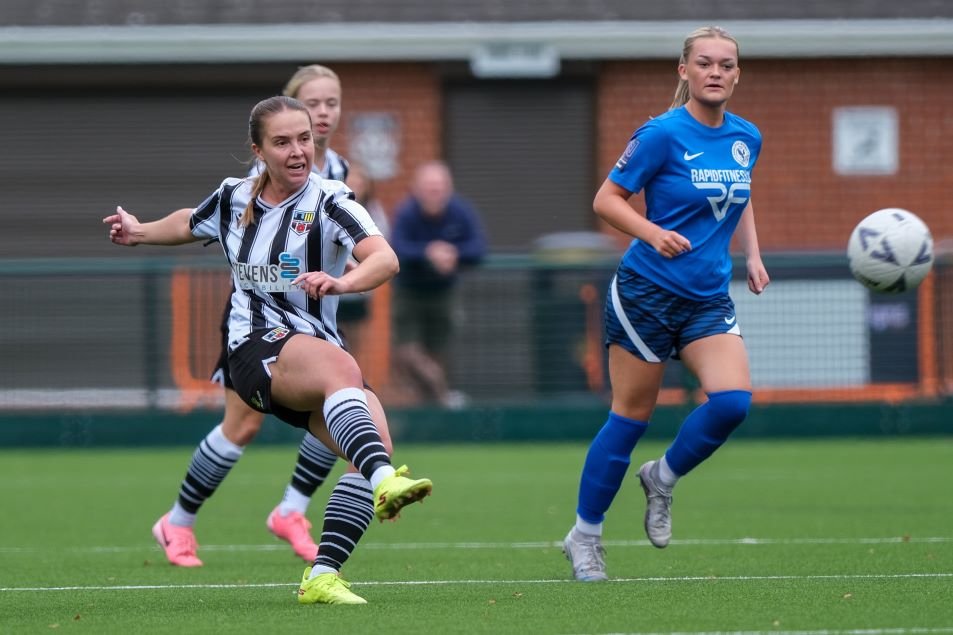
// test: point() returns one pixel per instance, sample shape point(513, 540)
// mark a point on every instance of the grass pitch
point(832, 536)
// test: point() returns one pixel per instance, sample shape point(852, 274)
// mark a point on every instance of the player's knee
point(241, 428)
point(342, 368)
point(730, 406)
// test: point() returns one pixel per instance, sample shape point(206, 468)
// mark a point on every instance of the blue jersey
point(697, 182)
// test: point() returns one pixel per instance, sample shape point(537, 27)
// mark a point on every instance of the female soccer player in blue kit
point(670, 292)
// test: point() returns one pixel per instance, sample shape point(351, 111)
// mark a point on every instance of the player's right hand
point(121, 226)
point(670, 244)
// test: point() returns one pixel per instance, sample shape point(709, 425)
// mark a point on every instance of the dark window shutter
point(69, 160)
point(523, 152)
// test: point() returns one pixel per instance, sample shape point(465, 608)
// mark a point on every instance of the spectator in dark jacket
point(435, 233)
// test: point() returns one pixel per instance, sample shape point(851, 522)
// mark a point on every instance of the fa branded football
point(890, 251)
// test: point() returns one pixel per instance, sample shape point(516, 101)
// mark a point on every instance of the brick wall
point(800, 203)
point(411, 93)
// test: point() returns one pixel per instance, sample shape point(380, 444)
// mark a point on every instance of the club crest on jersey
point(741, 153)
point(301, 221)
point(627, 154)
point(275, 334)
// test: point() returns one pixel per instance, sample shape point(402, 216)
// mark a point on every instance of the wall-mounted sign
point(866, 140)
point(374, 140)
point(511, 60)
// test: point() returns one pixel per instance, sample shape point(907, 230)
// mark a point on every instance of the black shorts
point(220, 374)
point(248, 370)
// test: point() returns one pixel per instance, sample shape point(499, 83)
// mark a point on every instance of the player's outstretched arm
point(125, 229)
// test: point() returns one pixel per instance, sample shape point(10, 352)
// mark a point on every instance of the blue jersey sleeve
point(643, 157)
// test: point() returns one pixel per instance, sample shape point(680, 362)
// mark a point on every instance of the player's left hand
point(318, 284)
point(758, 278)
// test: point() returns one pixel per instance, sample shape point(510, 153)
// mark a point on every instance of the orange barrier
point(927, 341)
point(373, 355)
point(888, 393)
point(943, 291)
point(196, 297)
point(594, 348)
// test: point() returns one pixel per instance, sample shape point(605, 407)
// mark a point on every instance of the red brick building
point(531, 105)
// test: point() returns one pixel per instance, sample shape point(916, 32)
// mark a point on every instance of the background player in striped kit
point(670, 292)
point(319, 89)
point(285, 354)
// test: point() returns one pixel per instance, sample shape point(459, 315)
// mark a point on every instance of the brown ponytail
point(248, 215)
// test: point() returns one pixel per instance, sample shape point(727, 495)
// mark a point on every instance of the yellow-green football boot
point(326, 588)
point(397, 491)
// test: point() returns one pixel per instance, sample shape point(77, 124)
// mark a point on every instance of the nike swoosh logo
point(731, 320)
point(689, 157)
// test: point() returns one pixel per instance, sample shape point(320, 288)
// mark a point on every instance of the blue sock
point(606, 464)
point(707, 428)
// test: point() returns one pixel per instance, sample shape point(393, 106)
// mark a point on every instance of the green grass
point(844, 535)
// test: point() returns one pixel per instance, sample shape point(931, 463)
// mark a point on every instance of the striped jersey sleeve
point(350, 222)
point(210, 216)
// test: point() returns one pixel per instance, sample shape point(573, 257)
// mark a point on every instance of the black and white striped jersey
point(315, 229)
point(335, 167)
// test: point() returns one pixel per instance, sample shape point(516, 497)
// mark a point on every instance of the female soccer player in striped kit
point(319, 89)
point(287, 236)
point(670, 292)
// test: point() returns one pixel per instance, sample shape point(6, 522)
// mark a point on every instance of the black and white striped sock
point(315, 462)
point(346, 519)
point(212, 460)
point(350, 425)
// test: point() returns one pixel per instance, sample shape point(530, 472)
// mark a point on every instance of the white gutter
point(392, 42)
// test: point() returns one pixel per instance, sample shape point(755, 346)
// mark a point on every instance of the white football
point(890, 251)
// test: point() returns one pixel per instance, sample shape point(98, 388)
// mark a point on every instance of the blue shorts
point(653, 323)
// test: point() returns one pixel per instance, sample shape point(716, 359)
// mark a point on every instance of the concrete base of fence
point(484, 423)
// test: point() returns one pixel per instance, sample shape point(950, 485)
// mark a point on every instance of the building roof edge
point(380, 42)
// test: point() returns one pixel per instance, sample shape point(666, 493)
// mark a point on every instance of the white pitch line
point(543, 544)
point(854, 631)
point(261, 585)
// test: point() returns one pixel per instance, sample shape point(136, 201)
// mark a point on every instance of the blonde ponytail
point(681, 94)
